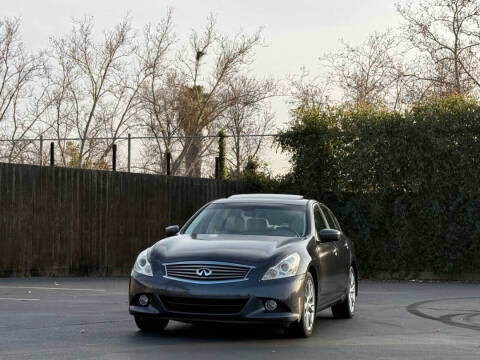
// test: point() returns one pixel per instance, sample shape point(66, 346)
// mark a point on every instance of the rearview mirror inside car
point(171, 230)
point(329, 235)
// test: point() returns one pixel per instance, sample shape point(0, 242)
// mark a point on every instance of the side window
point(319, 220)
point(335, 221)
point(328, 215)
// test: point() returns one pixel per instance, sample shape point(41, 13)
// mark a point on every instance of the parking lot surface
point(85, 318)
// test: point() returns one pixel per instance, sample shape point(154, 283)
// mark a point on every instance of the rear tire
point(150, 325)
point(346, 308)
point(304, 327)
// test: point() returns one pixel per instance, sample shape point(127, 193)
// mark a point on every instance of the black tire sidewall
point(342, 310)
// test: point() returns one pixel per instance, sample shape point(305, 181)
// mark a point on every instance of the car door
point(342, 254)
point(325, 260)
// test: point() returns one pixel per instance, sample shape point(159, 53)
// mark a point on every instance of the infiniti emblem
point(204, 272)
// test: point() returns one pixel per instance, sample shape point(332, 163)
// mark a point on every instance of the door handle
point(335, 251)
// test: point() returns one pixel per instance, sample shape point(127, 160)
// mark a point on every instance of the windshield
point(250, 219)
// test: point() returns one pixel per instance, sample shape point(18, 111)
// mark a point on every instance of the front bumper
point(287, 292)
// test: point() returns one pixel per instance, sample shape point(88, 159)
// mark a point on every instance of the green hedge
point(405, 185)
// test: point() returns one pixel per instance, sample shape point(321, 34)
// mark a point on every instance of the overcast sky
point(298, 32)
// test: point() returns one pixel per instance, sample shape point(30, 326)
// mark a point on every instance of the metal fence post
point(129, 151)
point(41, 150)
point(168, 159)
point(52, 154)
point(217, 168)
point(114, 157)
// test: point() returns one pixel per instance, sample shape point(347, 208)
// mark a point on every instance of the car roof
point(265, 198)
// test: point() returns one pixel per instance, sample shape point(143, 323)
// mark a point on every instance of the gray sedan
point(263, 258)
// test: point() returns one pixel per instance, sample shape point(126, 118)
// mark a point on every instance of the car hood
point(248, 250)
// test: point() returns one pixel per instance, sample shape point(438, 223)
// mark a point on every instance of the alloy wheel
point(352, 291)
point(309, 305)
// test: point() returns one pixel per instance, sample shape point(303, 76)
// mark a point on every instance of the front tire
point(304, 327)
point(346, 308)
point(150, 325)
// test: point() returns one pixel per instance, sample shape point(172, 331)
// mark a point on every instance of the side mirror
point(329, 235)
point(171, 230)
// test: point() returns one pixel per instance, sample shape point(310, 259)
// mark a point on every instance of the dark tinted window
point(319, 221)
point(337, 224)
point(331, 219)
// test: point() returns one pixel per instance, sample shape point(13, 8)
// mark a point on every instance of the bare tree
point(159, 94)
point(251, 115)
point(21, 103)
point(368, 73)
point(206, 97)
point(94, 86)
point(445, 37)
point(247, 129)
point(89, 88)
point(62, 112)
point(306, 92)
point(187, 99)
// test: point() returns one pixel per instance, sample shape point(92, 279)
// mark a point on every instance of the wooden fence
point(62, 221)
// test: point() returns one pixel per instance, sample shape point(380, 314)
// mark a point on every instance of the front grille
point(207, 271)
point(203, 306)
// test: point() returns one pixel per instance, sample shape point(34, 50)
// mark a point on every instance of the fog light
point(143, 300)
point(270, 305)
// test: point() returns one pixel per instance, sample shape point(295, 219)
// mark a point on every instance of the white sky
point(298, 32)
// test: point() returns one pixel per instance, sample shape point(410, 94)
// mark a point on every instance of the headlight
point(285, 268)
point(142, 265)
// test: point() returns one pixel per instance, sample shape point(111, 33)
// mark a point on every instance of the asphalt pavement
point(85, 318)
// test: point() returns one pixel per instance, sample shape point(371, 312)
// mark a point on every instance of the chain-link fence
point(195, 156)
